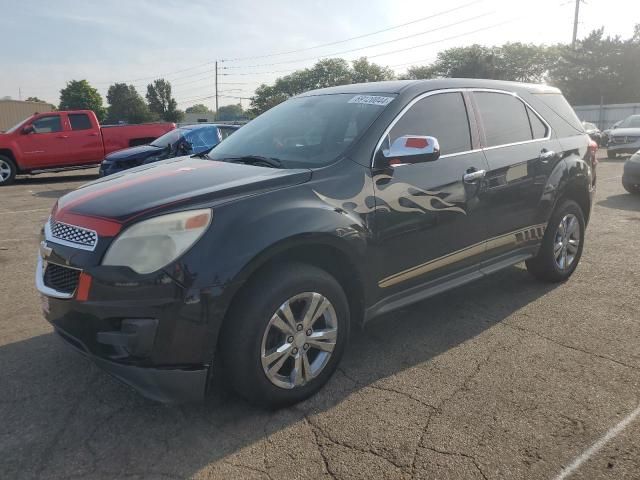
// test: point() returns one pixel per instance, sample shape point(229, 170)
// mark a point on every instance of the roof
point(398, 86)
point(195, 126)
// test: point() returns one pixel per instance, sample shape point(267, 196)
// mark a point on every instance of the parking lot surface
point(506, 378)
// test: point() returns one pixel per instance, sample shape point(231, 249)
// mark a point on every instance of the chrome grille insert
point(70, 235)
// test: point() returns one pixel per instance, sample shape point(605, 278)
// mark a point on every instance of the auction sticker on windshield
point(371, 100)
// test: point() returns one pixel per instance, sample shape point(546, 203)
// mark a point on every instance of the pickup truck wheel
point(562, 244)
point(8, 170)
point(285, 335)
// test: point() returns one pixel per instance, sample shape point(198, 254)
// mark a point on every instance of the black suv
point(334, 207)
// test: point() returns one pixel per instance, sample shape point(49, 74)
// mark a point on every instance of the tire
point(611, 154)
point(633, 189)
point(8, 171)
point(249, 335)
point(545, 265)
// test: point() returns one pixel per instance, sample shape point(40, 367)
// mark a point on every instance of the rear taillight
point(593, 151)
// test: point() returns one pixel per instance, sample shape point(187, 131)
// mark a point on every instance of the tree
point(80, 95)
point(34, 99)
point(599, 68)
point(198, 108)
point(161, 102)
point(126, 105)
point(231, 112)
point(364, 71)
point(325, 73)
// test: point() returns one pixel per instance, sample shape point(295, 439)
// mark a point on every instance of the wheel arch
point(9, 154)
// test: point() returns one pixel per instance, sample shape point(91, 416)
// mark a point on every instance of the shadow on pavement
point(63, 417)
point(624, 201)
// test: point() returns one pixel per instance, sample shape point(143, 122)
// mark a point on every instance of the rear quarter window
point(563, 111)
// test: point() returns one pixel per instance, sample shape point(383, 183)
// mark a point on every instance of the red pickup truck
point(66, 140)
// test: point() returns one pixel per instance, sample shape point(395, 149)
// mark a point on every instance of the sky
point(49, 43)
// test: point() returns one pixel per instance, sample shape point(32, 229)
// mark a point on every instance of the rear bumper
point(629, 148)
point(165, 385)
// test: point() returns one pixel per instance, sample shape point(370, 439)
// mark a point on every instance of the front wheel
point(562, 244)
point(631, 188)
point(285, 335)
point(8, 170)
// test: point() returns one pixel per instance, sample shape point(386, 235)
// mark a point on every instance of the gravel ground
point(505, 378)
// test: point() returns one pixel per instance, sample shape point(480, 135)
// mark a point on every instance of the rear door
point(47, 144)
point(521, 155)
point(85, 143)
point(429, 222)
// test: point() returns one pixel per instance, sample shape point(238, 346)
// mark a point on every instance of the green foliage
point(231, 112)
point(126, 105)
point(198, 108)
point(599, 67)
point(325, 73)
point(80, 95)
point(34, 99)
point(511, 61)
point(161, 102)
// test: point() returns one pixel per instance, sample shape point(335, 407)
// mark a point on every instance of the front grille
point(61, 279)
point(627, 139)
point(73, 234)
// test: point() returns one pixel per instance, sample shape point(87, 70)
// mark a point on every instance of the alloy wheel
point(5, 171)
point(299, 340)
point(567, 241)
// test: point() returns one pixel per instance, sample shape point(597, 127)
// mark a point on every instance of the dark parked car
point(187, 140)
point(593, 132)
point(631, 174)
point(625, 138)
point(331, 208)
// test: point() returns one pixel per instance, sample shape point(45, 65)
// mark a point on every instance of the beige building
point(14, 111)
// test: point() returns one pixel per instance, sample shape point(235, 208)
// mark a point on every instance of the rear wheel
point(562, 244)
point(285, 335)
point(8, 170)
point(611, 154)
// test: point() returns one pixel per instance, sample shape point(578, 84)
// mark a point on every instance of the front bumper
point(623, 148)
point(155, 336)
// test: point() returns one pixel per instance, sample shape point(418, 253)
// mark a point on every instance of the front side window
point(305, 132)
point(504, 118)
point(200, 138)
point(79, 121)
point(50, 124)
point(443, 116)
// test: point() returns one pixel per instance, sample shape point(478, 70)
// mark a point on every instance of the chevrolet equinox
point(333, 207)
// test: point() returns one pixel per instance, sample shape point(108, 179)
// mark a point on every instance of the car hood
point(164, 185)
point(133, 153)
point(623, 132)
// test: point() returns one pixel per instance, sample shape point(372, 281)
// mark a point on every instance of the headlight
point(152, 244)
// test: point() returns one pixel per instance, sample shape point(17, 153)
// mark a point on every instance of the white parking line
point(612, 433)
point(27, 211)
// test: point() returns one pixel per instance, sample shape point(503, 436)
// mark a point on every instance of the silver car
point(625, 138)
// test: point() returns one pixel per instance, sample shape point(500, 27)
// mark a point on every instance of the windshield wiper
point(204, 154)
point(255, 160)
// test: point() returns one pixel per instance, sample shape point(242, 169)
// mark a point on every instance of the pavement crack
point(463, 455)
point(316, 438)
point(570, 347)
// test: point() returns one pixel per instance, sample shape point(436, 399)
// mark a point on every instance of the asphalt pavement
point(506, 378)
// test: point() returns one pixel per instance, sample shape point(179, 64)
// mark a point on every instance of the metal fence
point(604, 116)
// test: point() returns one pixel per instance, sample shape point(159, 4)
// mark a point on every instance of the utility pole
point(216, 117)
point(575, 24)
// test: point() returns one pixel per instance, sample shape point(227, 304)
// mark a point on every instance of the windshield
point(305, 131)
point(17, 126)
point(630, 122)
point(169, 138)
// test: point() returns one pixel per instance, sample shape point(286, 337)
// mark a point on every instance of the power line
point(356, 37)
point(442, 27)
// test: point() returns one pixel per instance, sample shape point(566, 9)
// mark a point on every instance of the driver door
point(429, 221)
point(46, 145)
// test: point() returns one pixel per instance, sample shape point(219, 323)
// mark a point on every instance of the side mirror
point(409, 149)
point(28, 129)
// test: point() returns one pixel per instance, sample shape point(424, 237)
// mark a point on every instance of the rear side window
point(79, 121)
point(225, 132)
point(538, 128)
point(443, 116)
point(49, 124)
point(560, 106)
point(504, 118)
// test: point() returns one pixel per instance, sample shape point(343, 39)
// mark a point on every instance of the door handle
point(546, 155)
point(94, 134)
point(473, 176)
point(62, 136)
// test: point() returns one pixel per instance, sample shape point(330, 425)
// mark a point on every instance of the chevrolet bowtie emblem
point(45, 251)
